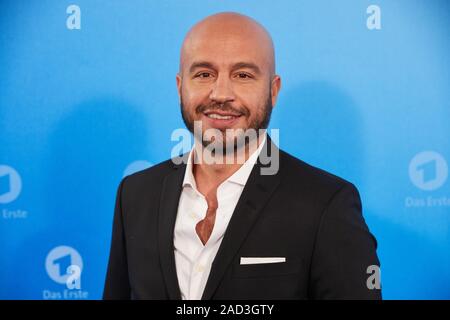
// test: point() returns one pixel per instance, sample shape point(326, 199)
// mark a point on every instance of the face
point(226, 82)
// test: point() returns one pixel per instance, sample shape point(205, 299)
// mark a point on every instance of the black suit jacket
point(302, 213)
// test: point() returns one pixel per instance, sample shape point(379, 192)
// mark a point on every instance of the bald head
point(227, 74)
point(225, 34)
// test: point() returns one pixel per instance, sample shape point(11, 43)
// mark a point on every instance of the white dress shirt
point(193, 259)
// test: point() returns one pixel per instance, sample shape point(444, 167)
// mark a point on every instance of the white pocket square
point(254, 260)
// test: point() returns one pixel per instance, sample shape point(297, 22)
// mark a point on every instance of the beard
point(260, 122)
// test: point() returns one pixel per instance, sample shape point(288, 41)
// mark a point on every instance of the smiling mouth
point(222, 115)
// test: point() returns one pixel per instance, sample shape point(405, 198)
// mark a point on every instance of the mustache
point(226, 107)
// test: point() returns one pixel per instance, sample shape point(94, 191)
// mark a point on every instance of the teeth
point(217, 116)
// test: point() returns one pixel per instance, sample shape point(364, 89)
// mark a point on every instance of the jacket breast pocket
point(292, 265)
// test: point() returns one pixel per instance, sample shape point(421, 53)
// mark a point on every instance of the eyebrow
point(236, 66)
point(246, 65)
point(200, 64)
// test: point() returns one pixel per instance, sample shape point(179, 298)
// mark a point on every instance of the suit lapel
point(255, 195)
point(170, 195)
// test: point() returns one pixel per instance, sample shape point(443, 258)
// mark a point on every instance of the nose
point(222, 91)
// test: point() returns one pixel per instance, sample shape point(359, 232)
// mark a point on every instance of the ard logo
point(60, 264)
point(10, 184)
point(428, 170)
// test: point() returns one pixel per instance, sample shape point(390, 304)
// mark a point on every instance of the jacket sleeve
point(344, 250)
point(117, 284)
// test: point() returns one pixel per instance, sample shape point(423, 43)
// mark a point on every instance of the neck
point(210, 174)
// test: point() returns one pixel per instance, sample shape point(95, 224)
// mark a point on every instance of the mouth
point(221, 119)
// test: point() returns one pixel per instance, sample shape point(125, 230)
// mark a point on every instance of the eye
point(203, 75)
point(243, 75)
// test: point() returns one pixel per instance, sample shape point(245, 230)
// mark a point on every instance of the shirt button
point(193, 215)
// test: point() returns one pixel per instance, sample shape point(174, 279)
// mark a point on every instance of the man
point(216, 230)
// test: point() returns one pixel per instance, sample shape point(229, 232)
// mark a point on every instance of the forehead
point(224, 48)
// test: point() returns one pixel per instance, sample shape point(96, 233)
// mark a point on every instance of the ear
point(275, 89)
point(178, 78)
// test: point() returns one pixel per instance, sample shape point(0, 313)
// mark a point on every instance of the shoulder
point(315, 183)
point(150, 179)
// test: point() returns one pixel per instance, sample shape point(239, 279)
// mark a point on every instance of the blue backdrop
point(88, 95)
